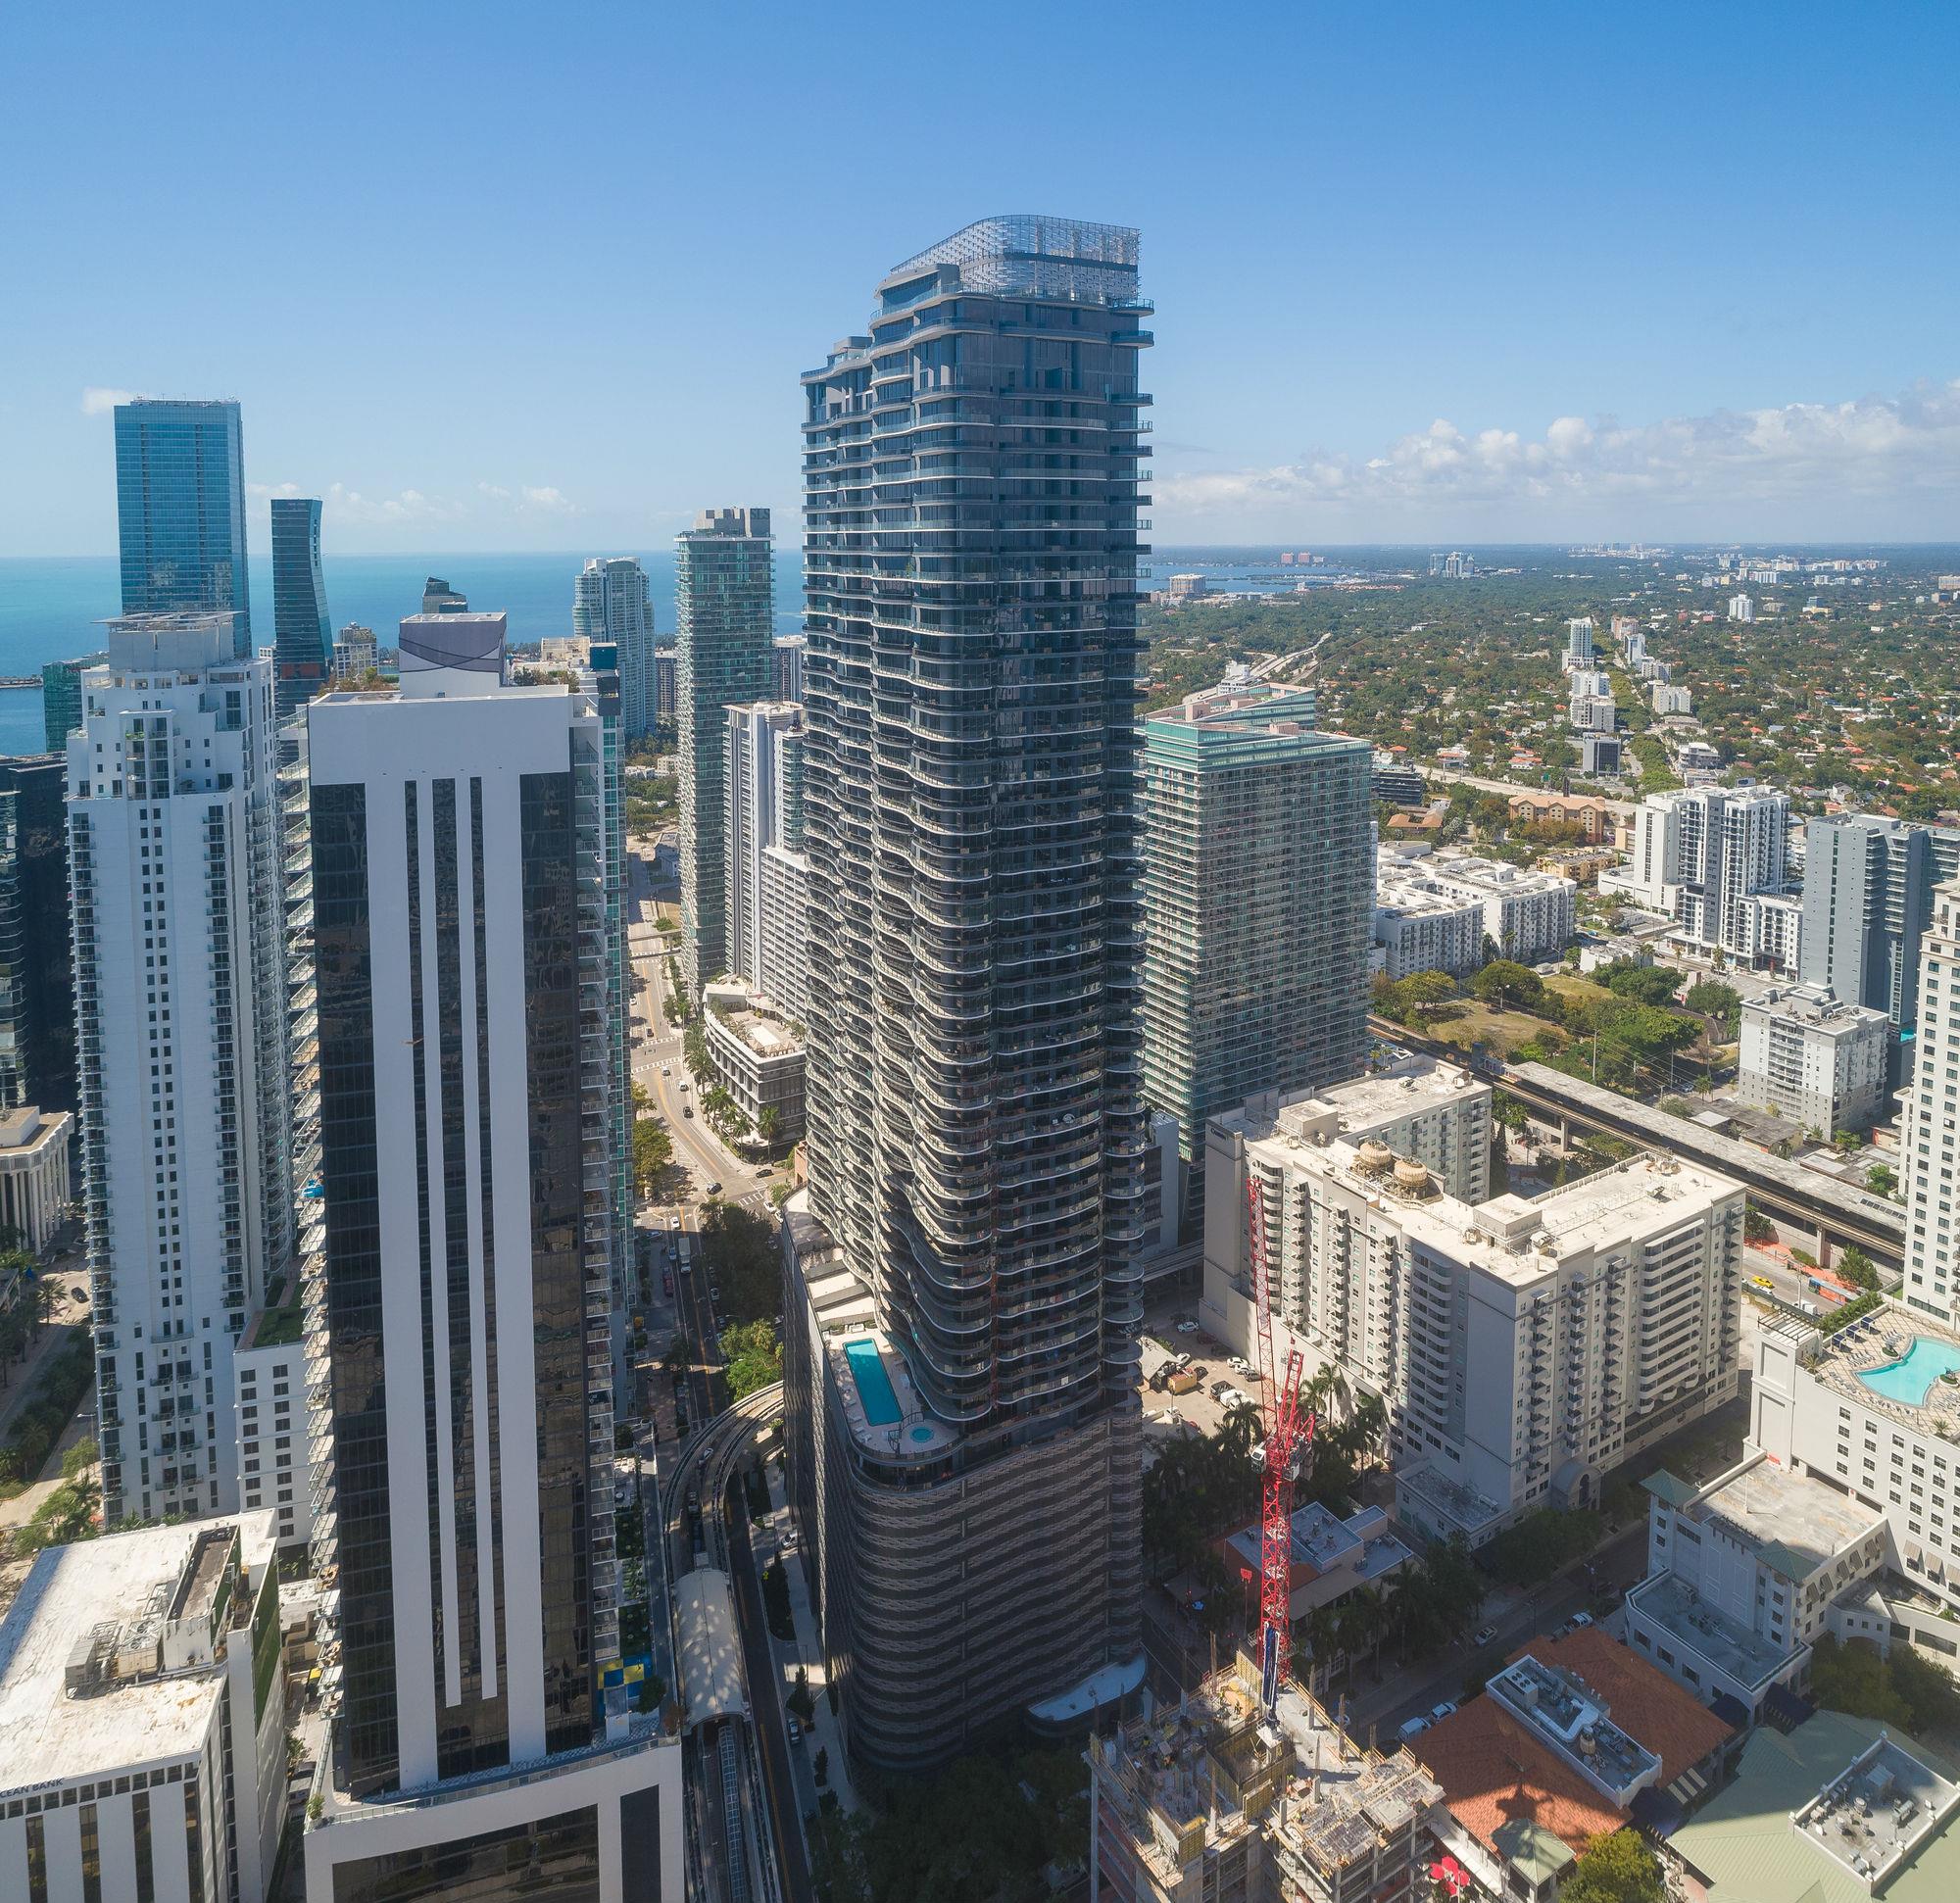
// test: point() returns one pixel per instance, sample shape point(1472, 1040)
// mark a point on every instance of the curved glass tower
point(976, 1131)
point(302, 632)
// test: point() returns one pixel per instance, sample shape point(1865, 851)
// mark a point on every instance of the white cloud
point(554, 500)
point(495, 491)
point(1902, 447)
point(273, 489)
point(99, 401)
point(347, 505)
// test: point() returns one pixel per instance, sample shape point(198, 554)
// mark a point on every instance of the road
point(1620, 1563)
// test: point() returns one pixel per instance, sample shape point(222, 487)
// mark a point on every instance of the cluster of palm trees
point(1201, 1490)
point(22, 1319)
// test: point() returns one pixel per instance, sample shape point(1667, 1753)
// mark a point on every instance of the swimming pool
point(1910, 1378)
point(874, 1385)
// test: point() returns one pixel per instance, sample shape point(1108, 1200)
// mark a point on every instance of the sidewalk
point(823, 1732)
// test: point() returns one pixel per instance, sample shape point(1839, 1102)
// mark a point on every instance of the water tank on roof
point(1374, 1156)
point(1411, 1174)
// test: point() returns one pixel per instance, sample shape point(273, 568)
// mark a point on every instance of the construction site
point(1221, 1799)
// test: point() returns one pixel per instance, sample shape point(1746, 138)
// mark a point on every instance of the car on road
point(1448, 1709)
point(683, 1083)
point(1412, 1728)
point(687, 1109)
point(1580, 1620)
point(1762, 1281)
point(667, 1283)
point(1484, 1634)
point(796, 1733)
point(667, 1070)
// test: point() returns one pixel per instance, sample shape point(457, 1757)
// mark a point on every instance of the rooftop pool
point(874, 1385)
point(1910, 1378)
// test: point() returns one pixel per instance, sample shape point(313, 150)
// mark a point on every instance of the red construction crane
point(1289, 1434)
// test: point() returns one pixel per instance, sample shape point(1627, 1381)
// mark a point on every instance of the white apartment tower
point(175, 881)
point(1930, 1142)
point(764, 813)
point(1521, 1348)
point(1579, 642)
point(462, 938)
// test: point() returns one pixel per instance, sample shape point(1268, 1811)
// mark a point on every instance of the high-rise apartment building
point(611, 604)
point(1929, 1145)
point(175, 878)
point(763, 808)
point(1868, 887)
point(1258, 902)
point(964, 1289)
point(181, 510)
point(1522, 1348)
point(301, 633)
point(1717, 859)
point(727, 598)
point(36, 954)
point(1579, 642)
point(462, 941)
point(790, 651)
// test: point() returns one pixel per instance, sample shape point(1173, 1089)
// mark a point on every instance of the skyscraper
point(461, 927)
point(175, 879)
point(61, 698)
point(726, 599)
point(763, 808)
point(611, 602)
point(1929, 1145)
point(36, 957)
point(181, 510)
point(1868, 885)
point(1258, 906)
point(962, 1284)
point(301, 633)
point(439, 598)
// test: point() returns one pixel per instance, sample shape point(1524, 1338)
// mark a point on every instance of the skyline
point(1637, 305)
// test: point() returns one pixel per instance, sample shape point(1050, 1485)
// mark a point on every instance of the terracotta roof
point(1644, 1701)
point(1493, 1773)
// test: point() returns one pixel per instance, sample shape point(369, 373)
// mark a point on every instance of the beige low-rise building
point(34, 1188)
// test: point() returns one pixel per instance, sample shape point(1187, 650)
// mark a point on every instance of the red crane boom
point(1289, 1432)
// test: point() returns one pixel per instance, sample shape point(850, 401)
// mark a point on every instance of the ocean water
point(51, 608)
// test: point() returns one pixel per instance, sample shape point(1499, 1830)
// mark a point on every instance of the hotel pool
point(1910, 1378)
point(874, 1385)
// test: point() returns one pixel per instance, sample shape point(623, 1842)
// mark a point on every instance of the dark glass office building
point(301, 633)
point(181, 510)
point(976, 1131)
point(36, 959)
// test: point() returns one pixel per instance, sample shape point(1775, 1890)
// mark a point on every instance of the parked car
point(1239, 1365)
point(1581, 1620)
point(667, 1283)
point(1219, 1390)
point(796, 1733)
point(1412, 1728)
point(1186, 1328)
point(1484, 1634)
point(1448, 1709)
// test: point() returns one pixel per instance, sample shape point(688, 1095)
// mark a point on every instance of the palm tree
point(1370, 1423)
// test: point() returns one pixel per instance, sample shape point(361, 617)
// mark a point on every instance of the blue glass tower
point(301, 633)
point(181, 510)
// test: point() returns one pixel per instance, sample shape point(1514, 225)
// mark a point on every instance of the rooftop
point(1878, 1341)
point(106, 1602)
point(1565, 1713)
point(1807, 1807)
point(1815, 1009)
point(1496, 876)
point(1731, 1648)
point(1647, 1704)
point(29, 1129)
point(1405, 1087)
point(1511, 1791)
point(1795, 1524)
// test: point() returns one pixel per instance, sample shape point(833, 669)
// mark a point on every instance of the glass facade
point(555, 1860)
point(612, 606)
point(354, 1479)
point(557, 1267)
point(37, 1042)
point(970, 814)
point(181, 510)
point(61, 698)
point(301, 633)
point(725, 655)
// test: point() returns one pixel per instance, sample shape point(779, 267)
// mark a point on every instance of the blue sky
point(502, 276)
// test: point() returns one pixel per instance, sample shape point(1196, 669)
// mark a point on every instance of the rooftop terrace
point(1795, 1524)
